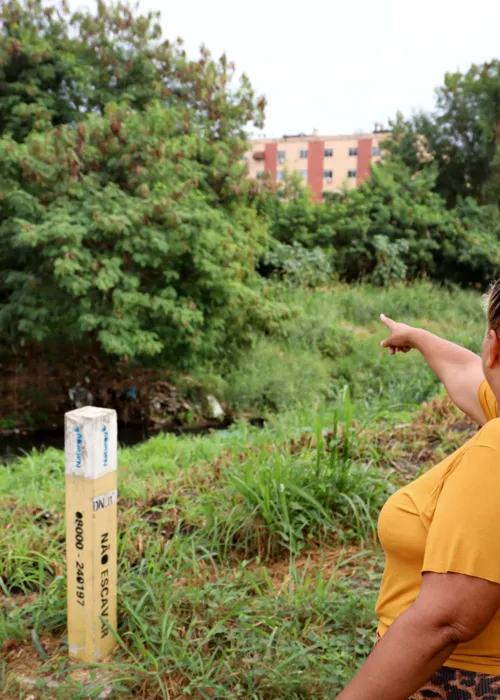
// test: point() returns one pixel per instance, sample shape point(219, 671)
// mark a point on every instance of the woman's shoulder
point(483, 450)
point(488, 401)
point(488, 435)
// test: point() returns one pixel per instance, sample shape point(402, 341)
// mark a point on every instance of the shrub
point(119, 228)
point(393, 227)
point(298, 265)
point(390, 266)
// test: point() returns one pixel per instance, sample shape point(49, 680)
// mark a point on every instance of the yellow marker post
point(91, 511)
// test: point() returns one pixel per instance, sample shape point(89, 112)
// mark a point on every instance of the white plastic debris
point(216, 410)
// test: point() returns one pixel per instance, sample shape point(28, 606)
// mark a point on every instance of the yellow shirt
point(448, 520)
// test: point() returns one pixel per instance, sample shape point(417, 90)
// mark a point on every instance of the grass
point(199, 609)
point(333, 339)
point(248, 558)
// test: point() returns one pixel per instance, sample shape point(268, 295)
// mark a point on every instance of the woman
point(438, 607)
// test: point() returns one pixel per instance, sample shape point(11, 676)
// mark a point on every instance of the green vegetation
point(394, 227)
point(133, 244)
point(248, 558)
point(429, 210)
point(123, 202)
point(199, 520)
point(125, 206)
point(111, 272)
point(460, 139)
point(330, 340)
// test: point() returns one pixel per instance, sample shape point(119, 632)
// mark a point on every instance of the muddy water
point(14, 445)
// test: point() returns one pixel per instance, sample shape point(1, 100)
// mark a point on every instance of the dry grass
point(437, 429)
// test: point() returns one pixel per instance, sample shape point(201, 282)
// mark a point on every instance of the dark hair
point(493, 307)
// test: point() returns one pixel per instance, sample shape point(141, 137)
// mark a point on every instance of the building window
point(280, 175)
point(281, 156)
point(303, 174)
point(304, 154)
point(328, 152)
point(353, 151)
point(328, 175)
point(375, 151)
point(351, 173)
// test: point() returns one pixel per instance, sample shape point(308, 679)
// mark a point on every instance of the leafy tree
point(56, 66)
point(289, 209)
point(125, 216)
point(116, 233)
point(414, 222)
point(461, 137)
point(390, 265)
point(482, 230)
point(38, 68)
point(395, 226)
point(298, 265)
point(469, 106)
point(421, 143)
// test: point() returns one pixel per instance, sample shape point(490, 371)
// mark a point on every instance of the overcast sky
point(335, 65)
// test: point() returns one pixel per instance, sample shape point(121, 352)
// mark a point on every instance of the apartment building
point(326, 163)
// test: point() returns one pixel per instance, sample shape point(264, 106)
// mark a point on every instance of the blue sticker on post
point(105, 433)
point(79, 442)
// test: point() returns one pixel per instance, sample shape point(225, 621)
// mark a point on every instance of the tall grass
point(332, 339)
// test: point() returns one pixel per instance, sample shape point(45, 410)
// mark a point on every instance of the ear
point(492, 350)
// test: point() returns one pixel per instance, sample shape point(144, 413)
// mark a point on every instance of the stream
point(13, 445)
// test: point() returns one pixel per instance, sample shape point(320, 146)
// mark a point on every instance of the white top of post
point(90, 442)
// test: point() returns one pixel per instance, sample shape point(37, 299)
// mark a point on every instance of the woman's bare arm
point(460, 370)
point(451, 608)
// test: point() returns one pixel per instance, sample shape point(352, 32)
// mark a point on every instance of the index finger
point(388, 321)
